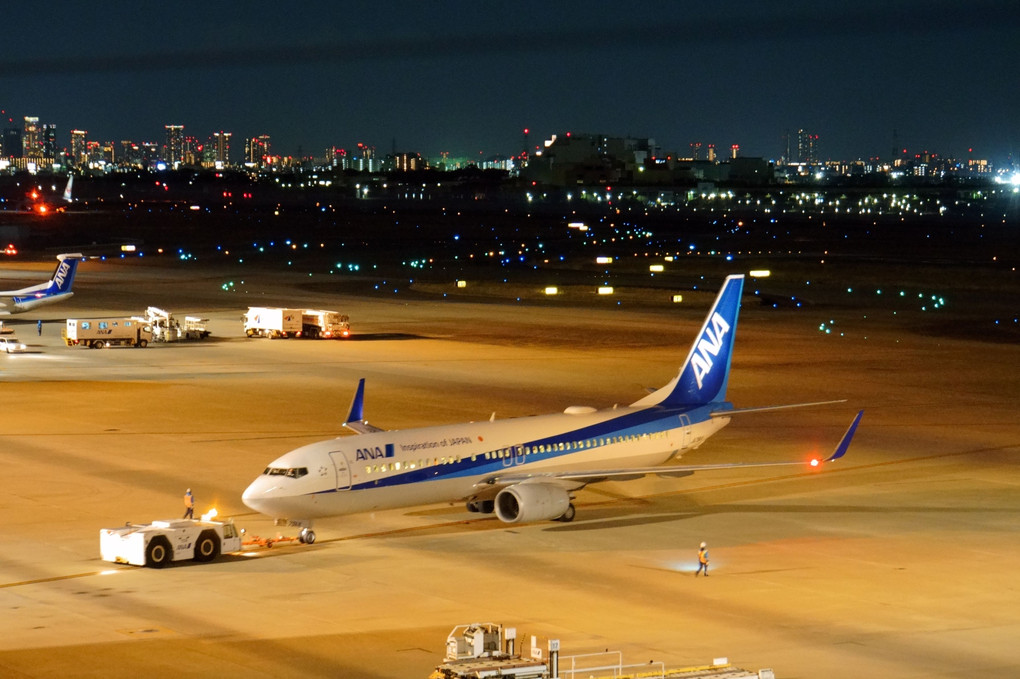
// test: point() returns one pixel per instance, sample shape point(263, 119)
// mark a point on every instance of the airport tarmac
point(898, 561)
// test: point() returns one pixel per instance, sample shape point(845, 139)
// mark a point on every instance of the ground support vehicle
point(12, 345)
point(167, 328)
point(272, 322)
point(324, 324)
point(158, 543)
point(487, 650)
point(106, 332)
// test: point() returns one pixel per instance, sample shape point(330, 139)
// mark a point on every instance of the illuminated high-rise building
point(31, 143)
point(129, 154)
point(150, 154)
point(192, 151)
point(109, 151)
point(408, 162)
point(174, 154)
point(807, 147)
point(221, 146)
point(364, 158)
point(93, 152)
point(256, 151)
point(79, 148)
point(49, 141)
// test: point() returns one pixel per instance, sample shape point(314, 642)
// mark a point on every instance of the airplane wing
point(574, 480)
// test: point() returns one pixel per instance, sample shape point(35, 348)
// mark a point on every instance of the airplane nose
point(258, 493)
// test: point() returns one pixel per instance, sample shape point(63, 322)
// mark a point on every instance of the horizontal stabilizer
point(765, 409)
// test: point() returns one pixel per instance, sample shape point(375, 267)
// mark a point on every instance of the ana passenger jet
point(57, 288)
point(523, 469)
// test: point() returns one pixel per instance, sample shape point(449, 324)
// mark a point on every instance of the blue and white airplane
point(57, 288)
point(523, 469)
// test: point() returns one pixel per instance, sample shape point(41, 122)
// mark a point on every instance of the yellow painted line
point(58, 578)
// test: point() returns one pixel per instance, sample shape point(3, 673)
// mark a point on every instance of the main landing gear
point(568, 515)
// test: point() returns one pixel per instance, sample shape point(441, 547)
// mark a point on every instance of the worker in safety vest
point(702, 560)
point(189, 506)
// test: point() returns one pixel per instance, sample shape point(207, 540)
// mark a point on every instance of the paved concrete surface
point(899, 561)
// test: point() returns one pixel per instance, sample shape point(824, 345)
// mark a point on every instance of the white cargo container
point(106, 332)
point(272, 322)
point(158, 543)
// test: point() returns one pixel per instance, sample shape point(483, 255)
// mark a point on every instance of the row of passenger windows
point(290, 472)
point(509, 452)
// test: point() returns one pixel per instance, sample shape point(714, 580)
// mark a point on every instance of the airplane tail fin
point(67, 189)
point(356, 416)
point(63, 275)
point(705, 374)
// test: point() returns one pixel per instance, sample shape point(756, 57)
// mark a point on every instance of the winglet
point(356, 416)
point(844, 443)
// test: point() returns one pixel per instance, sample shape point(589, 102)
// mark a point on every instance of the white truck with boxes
point(97, 333)
point(323, 324)
point(158, 543)
point(272, 322)
point(276, 322)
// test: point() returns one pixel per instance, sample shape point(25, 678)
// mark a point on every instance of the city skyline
point(468, 80)
point(40, 141)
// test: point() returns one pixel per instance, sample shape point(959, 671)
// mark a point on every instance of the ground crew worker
point(702, 560)
point(189, 506)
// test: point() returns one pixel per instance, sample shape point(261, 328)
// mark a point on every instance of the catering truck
point(323, 324)
point(158, 543)
point(272, 322)
point(276, 322)
point(97, 333)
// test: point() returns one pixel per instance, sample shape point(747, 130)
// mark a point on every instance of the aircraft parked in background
point(54, 290)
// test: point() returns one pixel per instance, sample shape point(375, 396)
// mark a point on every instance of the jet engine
point(526, 502)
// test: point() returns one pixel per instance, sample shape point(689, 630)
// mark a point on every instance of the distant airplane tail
point(67, 189)
point(63, 275)
point(705, 374)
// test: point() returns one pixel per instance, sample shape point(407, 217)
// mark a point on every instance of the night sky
point(468, 77)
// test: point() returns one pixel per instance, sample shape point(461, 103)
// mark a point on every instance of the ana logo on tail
point(62, 270)
point(709, 346)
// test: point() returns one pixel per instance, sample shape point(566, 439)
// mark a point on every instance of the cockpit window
point(290, 472)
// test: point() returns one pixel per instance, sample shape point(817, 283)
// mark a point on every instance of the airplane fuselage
point(449, 463)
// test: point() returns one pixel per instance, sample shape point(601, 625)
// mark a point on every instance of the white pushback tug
point(158, 543)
